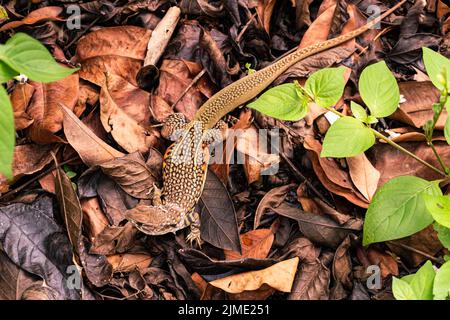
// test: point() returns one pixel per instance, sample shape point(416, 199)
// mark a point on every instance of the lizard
point(185, 162)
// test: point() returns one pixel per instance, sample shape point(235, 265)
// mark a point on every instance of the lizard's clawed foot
point(156, 196)
point(194, 237)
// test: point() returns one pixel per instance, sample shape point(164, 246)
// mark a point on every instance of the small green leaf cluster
point(21, 55)
point(426, 284)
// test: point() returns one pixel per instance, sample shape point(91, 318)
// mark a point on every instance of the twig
point(193, 82)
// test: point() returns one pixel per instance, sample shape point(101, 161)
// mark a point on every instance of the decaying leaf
point(91, 149)
point(280, 276)
point(255, 244)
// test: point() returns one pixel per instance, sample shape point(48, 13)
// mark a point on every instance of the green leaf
point(402, 290)
point(439, 207)
point(326, 86)
point(422, 282)
point(284, 102)
point(379, 90)
point(347, 137)
point(28, 56)
point(441, 289)
point(443, 234)
point(434, 63)
point(6, 73)
point(398, 209)
point(7, 134)
point(447, 128)
point(358, 111)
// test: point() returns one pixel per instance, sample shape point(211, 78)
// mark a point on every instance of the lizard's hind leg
point(193, 219)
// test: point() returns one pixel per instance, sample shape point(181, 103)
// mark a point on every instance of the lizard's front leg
point(193, 219)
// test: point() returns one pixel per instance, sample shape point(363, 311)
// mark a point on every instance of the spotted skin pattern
point(185, 162)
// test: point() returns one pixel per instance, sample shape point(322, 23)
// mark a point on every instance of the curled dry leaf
point(125, 130)
point(333, 178)
point(91, 149)
point(280, 276)
point(175, 77)
point(342, 265)
point(44, 107)
point(319, 229)
point(41, 14)
point(131, 174)
point(255, 244)
point(364, 175)
point(118, 50)
point(129, 261)
point(271, 199)
point(20, 98)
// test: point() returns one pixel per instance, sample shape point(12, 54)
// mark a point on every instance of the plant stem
point(438, 157)
point(396, 146)
point(409, 153)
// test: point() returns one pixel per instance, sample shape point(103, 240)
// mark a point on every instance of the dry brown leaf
point(280, 276)
point(38, 15)
point(364, 175)
point(312, 280)
point(131, 174)
point(331, 176)
point(118, 50)
point(125, 130)
point(393, 163)
point(20, 98)
point(388, 265)
point(44, 107)
point(175, 77)
point(264, 9)
point(129, 98)
point(28, 159)
point(91, 149)
point(271, 199)
point(255, 244)
point(94, 220)
point(416, 110)
point(129, 261)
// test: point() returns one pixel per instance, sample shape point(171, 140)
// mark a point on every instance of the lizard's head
point(173, 126)
point(157, 220)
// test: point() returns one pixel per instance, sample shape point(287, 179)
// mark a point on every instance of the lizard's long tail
point(250, 86)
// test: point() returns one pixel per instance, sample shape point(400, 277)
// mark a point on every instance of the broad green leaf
point(441, 288)
point(434, 63)
point(402, 290)
point(284, 102)
point(439, 207)
point(7, 134)
point(447, 128)
point(6, 73)
point(398, 209)
point(28, 56)
point(326, 86)
point(379, 90)
point(347, 137)
point(443, 234)
point(422, 282)
point(358, 111)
